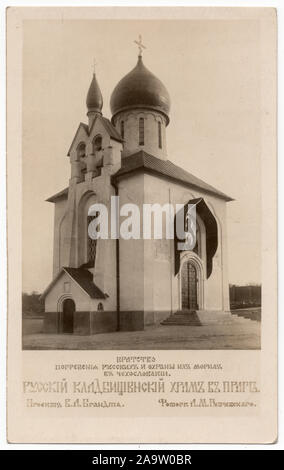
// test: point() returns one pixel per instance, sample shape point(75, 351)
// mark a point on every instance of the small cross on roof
point(140, 45)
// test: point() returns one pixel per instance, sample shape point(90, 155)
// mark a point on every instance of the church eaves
point(143, 161)
point(83, 278)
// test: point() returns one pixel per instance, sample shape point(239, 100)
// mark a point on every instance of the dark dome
point(140, 89)
point(94, 97)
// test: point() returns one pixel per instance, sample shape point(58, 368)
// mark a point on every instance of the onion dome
point(140, 89)
point(94, 97)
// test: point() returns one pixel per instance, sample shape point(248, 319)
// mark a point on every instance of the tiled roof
point(165, 168)
point(144, 161)
point(83, 278)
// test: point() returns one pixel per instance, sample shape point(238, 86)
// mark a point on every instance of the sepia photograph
point(141, 215)
point(127, 124)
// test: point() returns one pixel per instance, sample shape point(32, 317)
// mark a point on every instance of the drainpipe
point(117, 268)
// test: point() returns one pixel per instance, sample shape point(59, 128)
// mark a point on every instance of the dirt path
point(231, 336)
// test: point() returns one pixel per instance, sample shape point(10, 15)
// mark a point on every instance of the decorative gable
point(81, 136)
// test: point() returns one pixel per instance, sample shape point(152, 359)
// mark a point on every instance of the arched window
point(141, 131)
point(160, 134)
point(97, 143)
point(122, 129)
point(81, 154)
point(189, 280)
point(91, 244)
point(81, 150)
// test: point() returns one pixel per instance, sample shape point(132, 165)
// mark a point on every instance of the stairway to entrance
point(203, 317)
point(183, 318)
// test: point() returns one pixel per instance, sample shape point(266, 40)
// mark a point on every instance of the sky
point(211, 69)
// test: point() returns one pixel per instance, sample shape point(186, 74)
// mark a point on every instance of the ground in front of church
point(243, 335)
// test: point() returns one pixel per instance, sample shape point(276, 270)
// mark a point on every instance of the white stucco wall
point(131, 132)
point(147, 266)
point(66, 287)
point(60, 208)
point(131, 252)
point(216, 288)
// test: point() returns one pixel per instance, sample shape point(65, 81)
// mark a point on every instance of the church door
point(68, 316)
point(189, 286)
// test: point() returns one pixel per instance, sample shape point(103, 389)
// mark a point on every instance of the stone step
point(251, 315)
point(208, 317)
point(169, 321)
point(202, 318)
point(166, 323)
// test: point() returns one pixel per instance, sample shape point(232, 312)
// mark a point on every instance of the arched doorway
point(189, 280)
point(67, 323)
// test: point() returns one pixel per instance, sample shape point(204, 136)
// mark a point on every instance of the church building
point(126, 284)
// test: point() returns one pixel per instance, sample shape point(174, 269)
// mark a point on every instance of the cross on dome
point(140, 45)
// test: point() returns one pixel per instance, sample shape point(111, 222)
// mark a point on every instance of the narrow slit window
point(81, 150)
point(122, 129)
point(160, 135)
point(91, 243)
point(141, 131)
point(81, 154)
point(97, 144)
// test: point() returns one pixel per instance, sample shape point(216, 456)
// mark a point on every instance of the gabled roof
point(61, 195)
point(111, 130)
point(83, 278)
point(164, 168)
point(85, 127)
point(113, 133)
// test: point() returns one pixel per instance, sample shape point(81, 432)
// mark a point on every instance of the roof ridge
point(93, 291)
point(86, 127)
